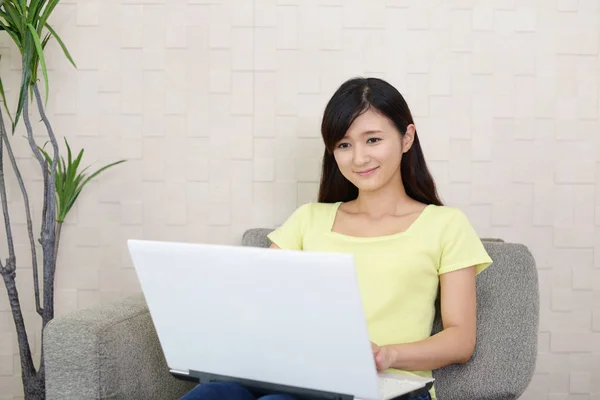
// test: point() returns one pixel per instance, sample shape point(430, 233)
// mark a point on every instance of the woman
point(378, 201)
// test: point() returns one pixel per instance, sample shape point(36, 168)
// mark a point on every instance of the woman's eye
point(343, 145)
point(373, 140)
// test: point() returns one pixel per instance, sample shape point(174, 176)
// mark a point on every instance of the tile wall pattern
point(217, 105)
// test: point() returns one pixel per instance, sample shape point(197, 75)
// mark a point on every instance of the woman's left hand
point(383, 356)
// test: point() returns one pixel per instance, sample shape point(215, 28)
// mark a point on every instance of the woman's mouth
point(367, 171)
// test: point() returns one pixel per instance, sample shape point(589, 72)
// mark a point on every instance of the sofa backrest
point(507, 326)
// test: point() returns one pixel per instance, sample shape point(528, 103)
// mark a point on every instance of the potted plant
point(26, 23)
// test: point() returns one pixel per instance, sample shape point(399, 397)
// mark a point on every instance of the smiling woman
point(368, 125)
point(378, 202)
point(371, 149)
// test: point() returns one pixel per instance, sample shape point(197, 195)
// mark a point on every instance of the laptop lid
point(286, 317)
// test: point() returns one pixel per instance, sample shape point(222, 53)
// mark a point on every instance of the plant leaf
point(78, 160)
point(4, 100)
point(14, 35)
point(69, 151)
point(16, 17)
point(28, 53)
point(46, 155)
point(46, 14)
point(71, 171)
point(61, 165)
point(66, 171)
point(62, 45)
point(61, 180)
point(34, 10)
point(69, 181)
point(100, 170)
point(46, 40)
point(79, 184)
point(22, 6)
point(40, 52)
point(36, 60)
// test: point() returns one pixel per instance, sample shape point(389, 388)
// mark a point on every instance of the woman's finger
point(374, 347)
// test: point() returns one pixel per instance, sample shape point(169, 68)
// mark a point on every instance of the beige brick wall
point(216, 104)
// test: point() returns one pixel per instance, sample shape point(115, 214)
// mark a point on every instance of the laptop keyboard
point(394, 387)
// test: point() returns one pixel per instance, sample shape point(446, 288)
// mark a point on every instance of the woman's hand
point(383, 356)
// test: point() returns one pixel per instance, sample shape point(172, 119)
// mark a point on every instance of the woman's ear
point(408, 138)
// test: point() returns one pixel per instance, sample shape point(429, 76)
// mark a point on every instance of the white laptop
point(278, 321)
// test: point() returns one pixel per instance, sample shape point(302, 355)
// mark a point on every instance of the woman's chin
point(368, 186)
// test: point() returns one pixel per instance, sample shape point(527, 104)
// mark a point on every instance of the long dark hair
point(354, 97)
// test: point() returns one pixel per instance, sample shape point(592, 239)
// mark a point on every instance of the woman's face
point(369, 155)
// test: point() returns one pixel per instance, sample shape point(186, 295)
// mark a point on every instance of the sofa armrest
point(108, 352)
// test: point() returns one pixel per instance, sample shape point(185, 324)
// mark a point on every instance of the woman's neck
point(388, 200)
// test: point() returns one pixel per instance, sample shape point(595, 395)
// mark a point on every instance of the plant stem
point(10, 262)
point(44, 167)
point(47, 219)
point(57, 241)
point(8, 275)
point(27, 367)
point(42, 369)
point(49, 231)
point(34, 263)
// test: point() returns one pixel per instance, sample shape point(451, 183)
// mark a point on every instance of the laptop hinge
point(182, 375)
point(264, 388)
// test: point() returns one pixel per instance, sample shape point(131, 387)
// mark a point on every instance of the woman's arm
point(454, 344)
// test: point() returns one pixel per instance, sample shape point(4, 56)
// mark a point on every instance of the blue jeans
point(228, 391)
point(235, 391)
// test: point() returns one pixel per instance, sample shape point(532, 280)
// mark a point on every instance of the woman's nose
point(359, 156)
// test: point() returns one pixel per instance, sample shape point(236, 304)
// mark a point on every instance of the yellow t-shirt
point(398, 274)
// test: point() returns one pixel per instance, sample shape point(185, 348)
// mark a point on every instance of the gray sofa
point(112, 351)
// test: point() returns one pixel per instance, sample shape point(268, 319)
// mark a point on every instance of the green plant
point(70, 182)
point(26, 23)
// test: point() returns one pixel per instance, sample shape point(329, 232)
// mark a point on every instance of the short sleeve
point(461, 246)
point(290, 234)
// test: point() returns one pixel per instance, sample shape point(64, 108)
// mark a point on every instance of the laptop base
point(264, 388)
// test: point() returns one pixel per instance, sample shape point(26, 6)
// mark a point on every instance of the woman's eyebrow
point(367, 132)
